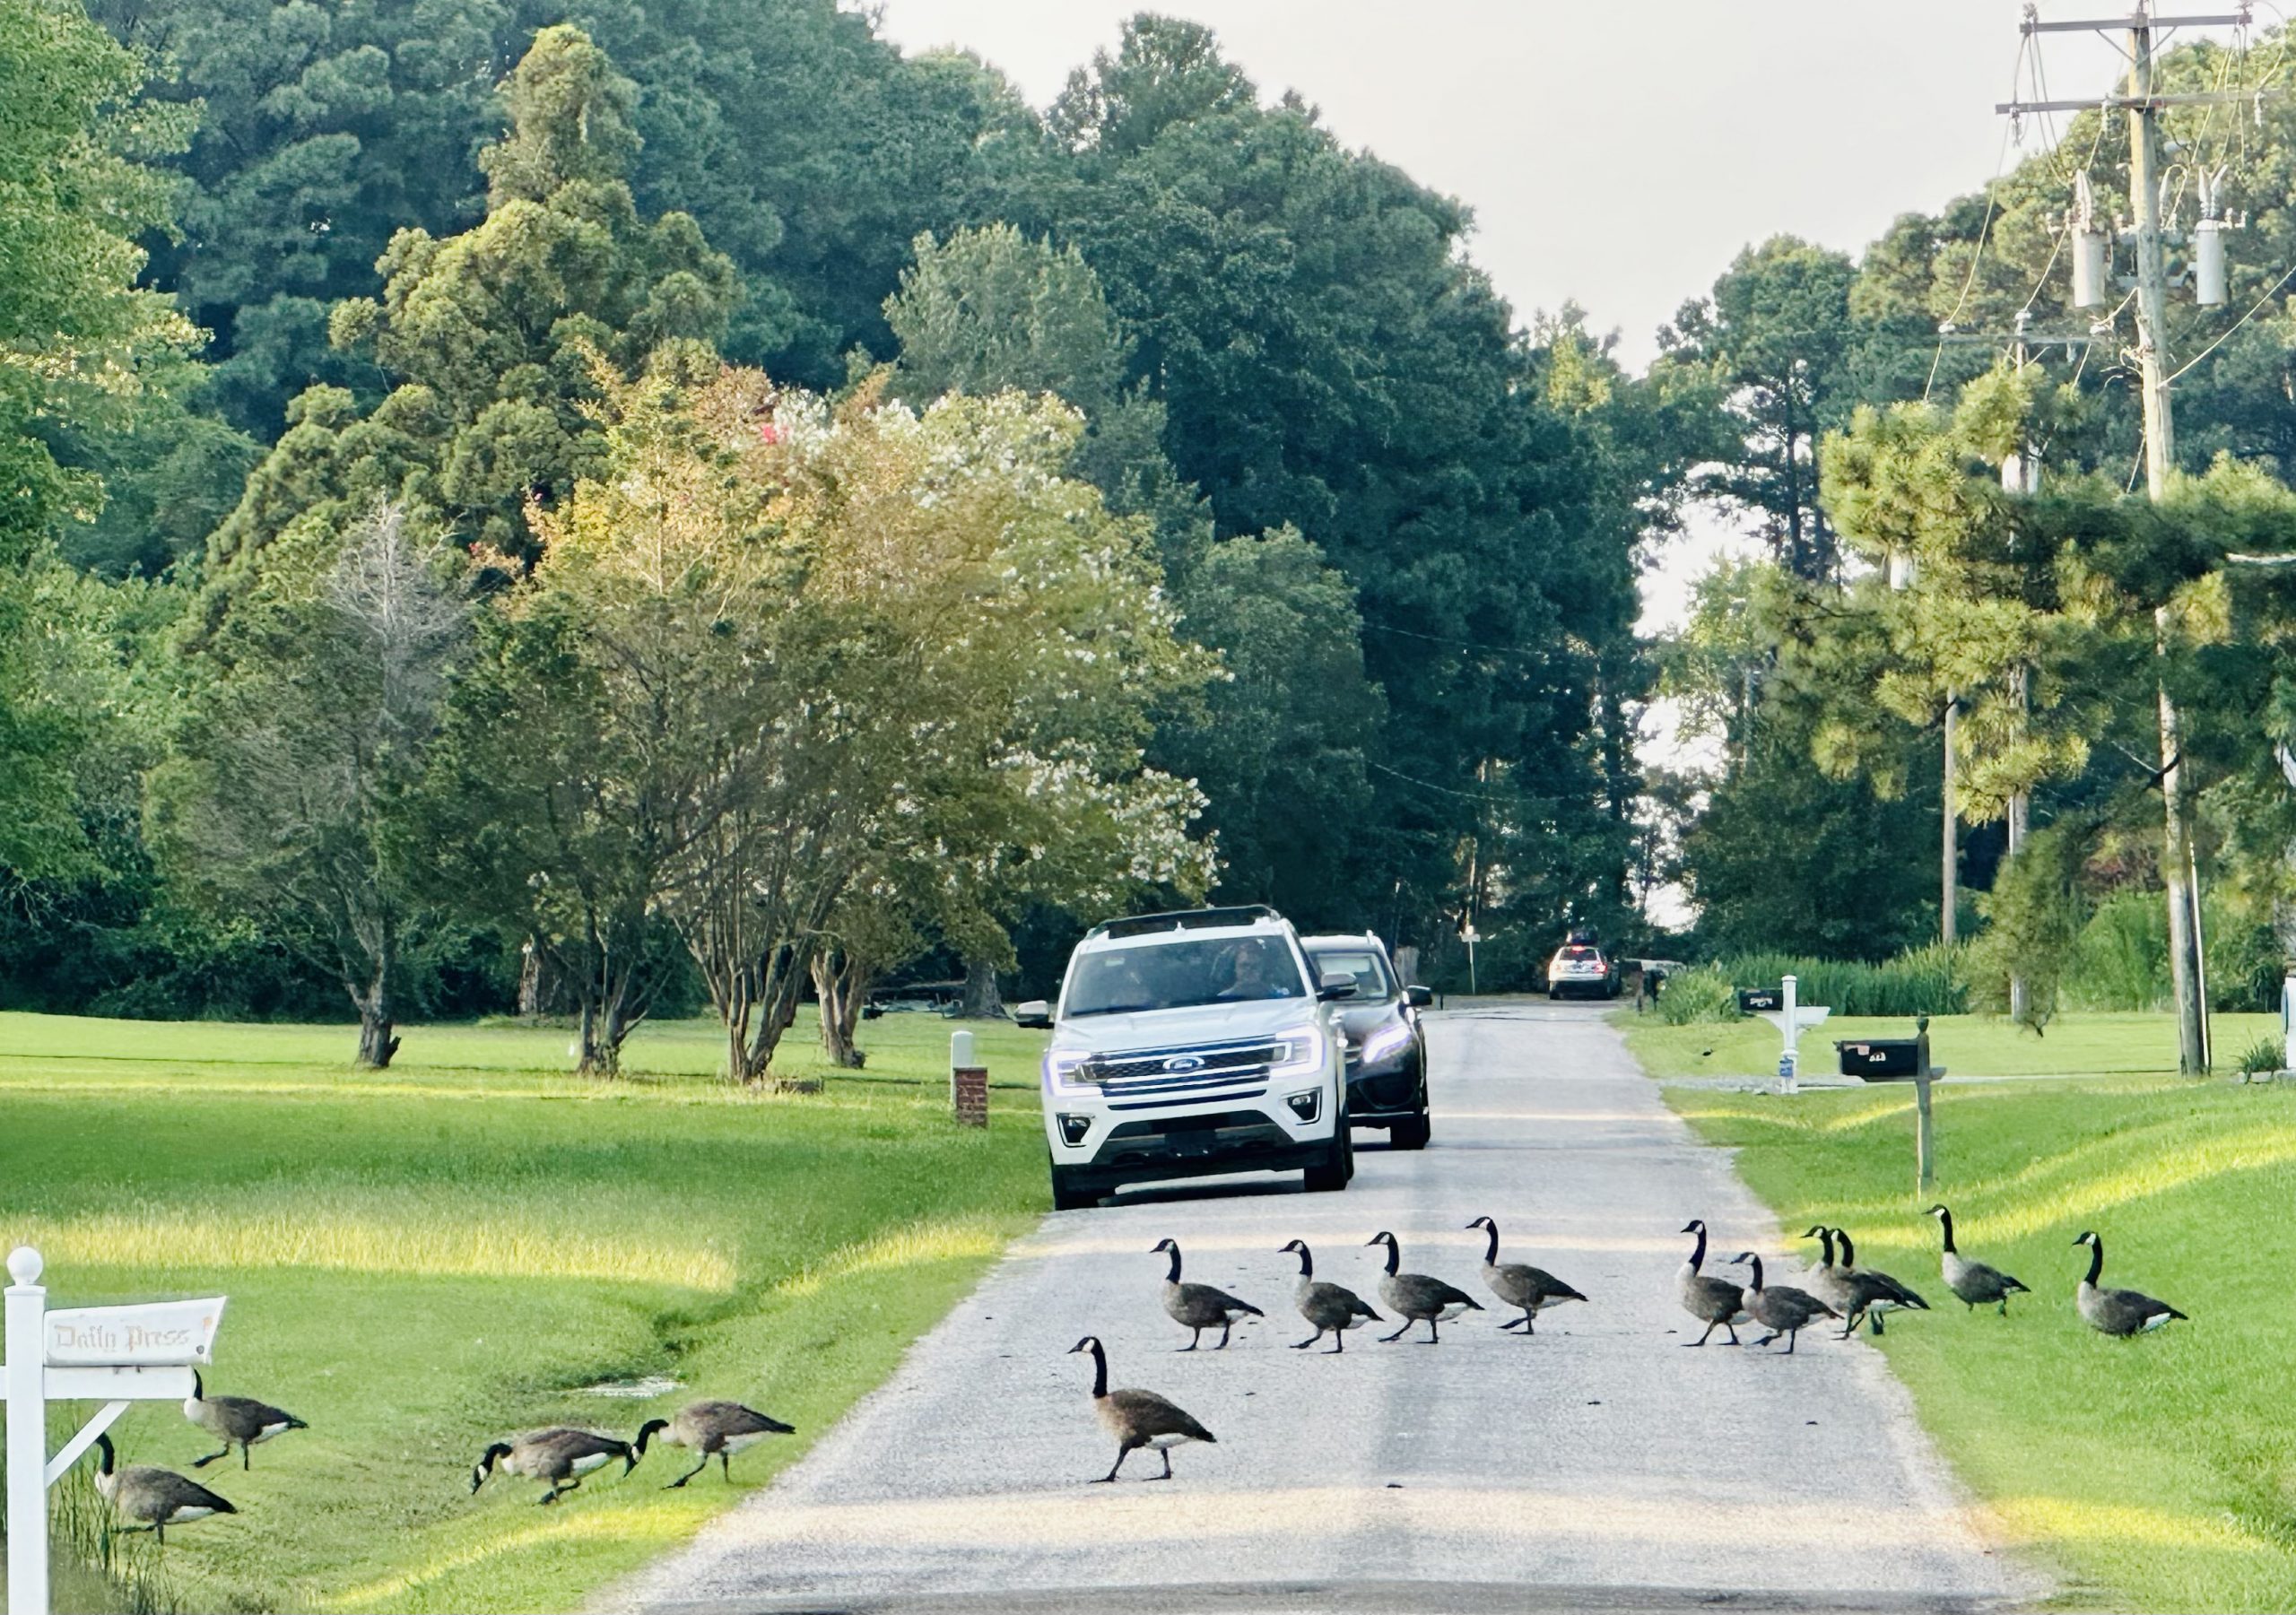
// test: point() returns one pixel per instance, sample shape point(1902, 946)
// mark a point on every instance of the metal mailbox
point(1761, 1000)
point(1883, 1059)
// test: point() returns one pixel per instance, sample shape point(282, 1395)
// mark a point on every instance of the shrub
point(2260, 1059)
point(1704, 994)
point(2121, 961)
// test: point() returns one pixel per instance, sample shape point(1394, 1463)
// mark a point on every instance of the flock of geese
point(148, 1498)
point(1838, 1292)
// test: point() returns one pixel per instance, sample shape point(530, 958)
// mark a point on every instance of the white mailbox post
point(114, 1355)
point(1792, 1020)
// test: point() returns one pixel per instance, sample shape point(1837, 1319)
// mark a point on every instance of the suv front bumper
point(1261, 1134)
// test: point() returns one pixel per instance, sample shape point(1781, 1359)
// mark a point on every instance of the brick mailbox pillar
point(970, 1085)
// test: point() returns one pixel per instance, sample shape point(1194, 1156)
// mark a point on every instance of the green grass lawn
point(2082, 1044)
point(2158, 1473)
point(422, 1260)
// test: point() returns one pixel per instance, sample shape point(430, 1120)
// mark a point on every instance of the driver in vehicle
point(1248, 976)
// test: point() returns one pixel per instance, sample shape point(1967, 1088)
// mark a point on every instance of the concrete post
point(1790, 1065)
point(27, 1449)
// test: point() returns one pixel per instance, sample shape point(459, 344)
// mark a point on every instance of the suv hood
point(1196, 1024)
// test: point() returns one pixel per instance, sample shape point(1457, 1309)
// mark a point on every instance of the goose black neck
point(1099, 1372)
point(1946, 1220)
point(1849, 1251)
point(103, 1455)
point(2096, 1259)
point(1306, 1263)
point(1173, 1275)
point(1698, 1251)
point(1825, 1239)
point(1755, 1263)
point(198, 1387)
point(1395, 1256)
point(1491, 1250)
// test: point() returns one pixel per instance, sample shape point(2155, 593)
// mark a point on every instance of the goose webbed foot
point(203, 1463)
point(1222, 1346)
point(1398, 1335)
point(1122, 1453)
point(1311, 1340)
point(1168, 1465)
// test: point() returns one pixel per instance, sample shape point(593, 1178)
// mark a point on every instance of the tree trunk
point(782, 977)
point(841, 983)
point(2019, 815)
point(376, 1043)
point(1949, 844)
point(982, 1001)
point(373, 999)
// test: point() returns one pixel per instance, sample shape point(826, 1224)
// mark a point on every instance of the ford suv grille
point(1149, 1077)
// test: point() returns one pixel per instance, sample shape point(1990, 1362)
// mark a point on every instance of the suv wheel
point(1072, 1190)
point(1338, 1165)
point(1412, 1134)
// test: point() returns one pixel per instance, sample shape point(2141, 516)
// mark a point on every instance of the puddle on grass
point(635, 1390)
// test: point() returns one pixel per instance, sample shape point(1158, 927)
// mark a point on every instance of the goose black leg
point(1875, 1318)
point(203, 1463)
point(1791, 1335)
point(1530, 1322)
point(1311, 1340)
point(1399, 1334)
point(1168, 1465)
point(689, 1474)
point(725, 1465)
point(1222, 1346)
point(159, 1534)
point(1700, 1341)
point(1194, 1336)
point(1122, 1453)
point(1338, 1344)
point(1434, 1337)
point(243, 1454)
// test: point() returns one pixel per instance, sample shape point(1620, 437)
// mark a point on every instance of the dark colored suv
point(1387, 1053)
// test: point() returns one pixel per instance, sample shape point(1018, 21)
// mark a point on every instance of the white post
point(27, 1346)
point(960, 1059)
point(1789, 1067)
point(2288, 1022)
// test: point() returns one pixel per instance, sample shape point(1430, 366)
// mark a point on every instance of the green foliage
point(1933, 980)
point(2034, 916)
point(2262, 1058)
point(2121, 960)
point(1696, 996)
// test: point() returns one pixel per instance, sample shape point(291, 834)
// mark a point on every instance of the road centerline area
point(1600, 1461)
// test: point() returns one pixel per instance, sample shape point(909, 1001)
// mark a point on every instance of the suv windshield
point(1362, 963)
point(1177, 976)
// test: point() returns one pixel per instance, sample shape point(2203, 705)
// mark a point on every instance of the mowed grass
point(2156, 1474)
point(2083, 1044)
point(422, 1260)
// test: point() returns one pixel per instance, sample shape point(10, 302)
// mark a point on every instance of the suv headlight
point(1384, 1042)
point(1302, 1052)
point(1060, 1068)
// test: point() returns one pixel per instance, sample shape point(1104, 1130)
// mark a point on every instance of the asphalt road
point(1600, 1465)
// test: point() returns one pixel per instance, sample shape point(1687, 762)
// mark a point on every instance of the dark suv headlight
point(1384, 1042)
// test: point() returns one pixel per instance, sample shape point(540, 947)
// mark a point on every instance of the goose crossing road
point(1485, 1475)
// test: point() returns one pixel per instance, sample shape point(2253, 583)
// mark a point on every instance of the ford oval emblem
point(1180, 1062)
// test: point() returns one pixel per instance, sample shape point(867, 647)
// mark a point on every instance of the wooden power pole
point(2144, 106)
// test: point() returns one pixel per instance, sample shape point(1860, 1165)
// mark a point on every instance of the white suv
point(1189, 1043)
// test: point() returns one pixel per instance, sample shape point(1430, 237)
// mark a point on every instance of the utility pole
point(1949, 847)
point(2143, 108)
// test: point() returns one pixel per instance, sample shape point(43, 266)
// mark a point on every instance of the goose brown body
point(152, 1499)
point(1780, 1308)
point(2117, 1312)
point(1519, 1284)
point(1418, 1298)
point(560, 1457)
point(1713, 1302)
point(712, 1429)
point(1138, 1419)
point(240, 1421)
point(1973, 1283)
point(1334, 1309)
point(1198, 1308)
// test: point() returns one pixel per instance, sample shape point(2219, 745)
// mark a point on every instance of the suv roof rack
point(1184, 919)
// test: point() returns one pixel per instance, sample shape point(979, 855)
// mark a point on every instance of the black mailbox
point(1756, 1001)
point(1884, 1059)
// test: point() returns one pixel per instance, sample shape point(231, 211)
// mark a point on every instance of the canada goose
point(1200, 1306)
point(1707, 1298)
point(719, 1428)
point(156, 1499)
point(1137, 1419)
point(1518, 1284)
point(559, 1456)
point(1780, 1308)
point(1418, 1296)
point(1872, 1293)
point(2122, 1312)
point(230, 1420)
point(1330, 1307)
point(1974, 1282)
point(1828, 1282)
